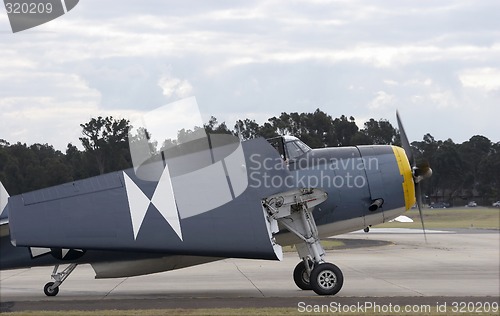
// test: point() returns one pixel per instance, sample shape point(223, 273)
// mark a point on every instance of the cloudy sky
point(438, 62)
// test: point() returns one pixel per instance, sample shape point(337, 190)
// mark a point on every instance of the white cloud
point(53, 110)
point(381, 101)
point(43, 120)
point(353, 87)
point(390, 82)
point(253, 57)
point(419, 82)
point(444, 99)
point(172, 86)
point(11, 60)
point(483, 78)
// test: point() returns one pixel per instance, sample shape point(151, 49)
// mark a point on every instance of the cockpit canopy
point(289, 147)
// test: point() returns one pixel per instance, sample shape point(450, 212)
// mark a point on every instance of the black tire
point(326, 279)
point(301, 277)
point(50, 292)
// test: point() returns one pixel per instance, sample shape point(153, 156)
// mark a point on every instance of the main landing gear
point(52, 288)
point(324, 279)
point(293, 210)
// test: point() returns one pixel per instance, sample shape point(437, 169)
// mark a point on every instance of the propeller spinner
point(420, 171)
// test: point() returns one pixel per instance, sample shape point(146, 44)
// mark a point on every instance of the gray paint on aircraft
point(94, 215)
point(99, 219)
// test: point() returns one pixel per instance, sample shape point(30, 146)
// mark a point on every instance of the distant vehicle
point(471, 204)
point(440, 205)
point(496, 204)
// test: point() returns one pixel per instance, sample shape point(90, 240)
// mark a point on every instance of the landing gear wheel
point(326, 279)
point(50, 292)
point(301, 277)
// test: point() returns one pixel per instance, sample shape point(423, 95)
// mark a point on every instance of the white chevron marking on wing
point(138, 203)
point(164, 200)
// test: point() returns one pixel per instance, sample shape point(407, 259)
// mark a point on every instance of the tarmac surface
point(384, 266)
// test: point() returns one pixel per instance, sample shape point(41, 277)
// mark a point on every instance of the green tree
point(466, 169)
point(344, 131)
point(473, 152)
point(78, 163)
point(214, 127)
point(379, 132)
point(288, 124)
point(488, 173)
point(447, 163)
point(316, 129)
point(267, 130)
point(24, 168)
point(106, 139)
point(425, 150)
point(248, 128)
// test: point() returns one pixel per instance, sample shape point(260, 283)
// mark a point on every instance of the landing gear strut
point(293, 210)
point(52, 288)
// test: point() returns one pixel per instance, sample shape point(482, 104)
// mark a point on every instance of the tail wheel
point(49, 291)
point(326, 279)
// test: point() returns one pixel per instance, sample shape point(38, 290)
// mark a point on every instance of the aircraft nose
point(405, 171)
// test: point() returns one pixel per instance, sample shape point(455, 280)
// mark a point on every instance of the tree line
point(470, 170)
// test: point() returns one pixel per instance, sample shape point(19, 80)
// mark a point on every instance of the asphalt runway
point(454, 266)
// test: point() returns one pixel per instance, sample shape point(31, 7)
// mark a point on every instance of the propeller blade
point(404, 141)
point(421, 171)
point(418, 192)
